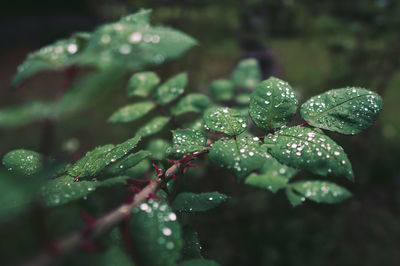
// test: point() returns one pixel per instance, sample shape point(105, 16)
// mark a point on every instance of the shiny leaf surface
point(154, 126)
point(194, 102)
point(272, 104)
point(310, 150)
point(132, 112)
point(142, 84)
point(321, 191)
point(247, 74)
point(171, 89)
point(24, 162)
point(192, 202)
point(347, 111)
point(225, 120)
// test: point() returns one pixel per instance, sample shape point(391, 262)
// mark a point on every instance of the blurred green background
point(314, 45)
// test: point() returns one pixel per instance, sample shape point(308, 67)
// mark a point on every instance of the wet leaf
point(294, 198)
point(194, 102)
point(158, 149)
point(241, 156)
point(222, 89)
point(63, 189)
point(171, 89)
point(273, 104)
point(96, 160)
point(55, 56)
point(130, 161)
point(307, 149)
point(24, 162)
point(273, 176)
point(139, 170)
point(142, 17)
point(134, 44)
point(132, 112)
point(321, 191)
point(186, 141)
point(155, 227)
point(347, 111)
point(154, 126)
point(191, 246)
point(192, 202)
point(198, 262)
point(142, 84)
point(196, 124)
point(247, 74)
point(225, 120)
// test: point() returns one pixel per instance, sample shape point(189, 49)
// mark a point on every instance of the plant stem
point(104, 224)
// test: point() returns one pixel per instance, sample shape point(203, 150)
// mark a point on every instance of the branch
point(104, 224)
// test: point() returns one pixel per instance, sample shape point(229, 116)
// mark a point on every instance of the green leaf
point(114, 256)
point(192, 202)
point(139, 170)
point(186, 141)
point(153, 126)
point(321, 191)
point(142, 84)
point(307, 149)
point(222, 89)
point(171, 89)
point(63, 189)
point(158, 149)
point(24, 162)
point(225, 120)
point(198, 262)
point(191, 247)
point(247, 74)
point(133, 44)
point(347, 111)
point(195, 124)
point(243, 99)
point(96, 160)
point(194, 102)
point(19, 115)
point(132, 112)
point(128, 162)
point(51, 57)
point(272, 104)
point(142, 17)
point(154, 227)
point(273, 176)
point(293, 197)
point(240, 156)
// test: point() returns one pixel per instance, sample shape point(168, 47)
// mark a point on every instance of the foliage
point(229, 135)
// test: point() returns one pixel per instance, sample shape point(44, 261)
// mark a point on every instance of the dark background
point(315, 46)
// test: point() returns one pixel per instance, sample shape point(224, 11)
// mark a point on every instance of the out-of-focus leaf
point(51, 57)
point(142, 84)
point(272, 104)
point(153, 126)
point(155, 227)
point(171, 89)
point(139, 170)
point(132, 112)
point(194, 102)
point(23, 162)
point(222, 89)
point(198, 262)
point(294, 198)
point(347, 111)
point(135, 44)
point(307, 149)
point(23, 114)
point(243, 99)
point(247, 74)
point(158, 148)
point(321, 191)
point(240, 156)
point(225, 120)
point(192, 202)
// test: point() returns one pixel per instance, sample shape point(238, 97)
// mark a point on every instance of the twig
point(104, 224)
